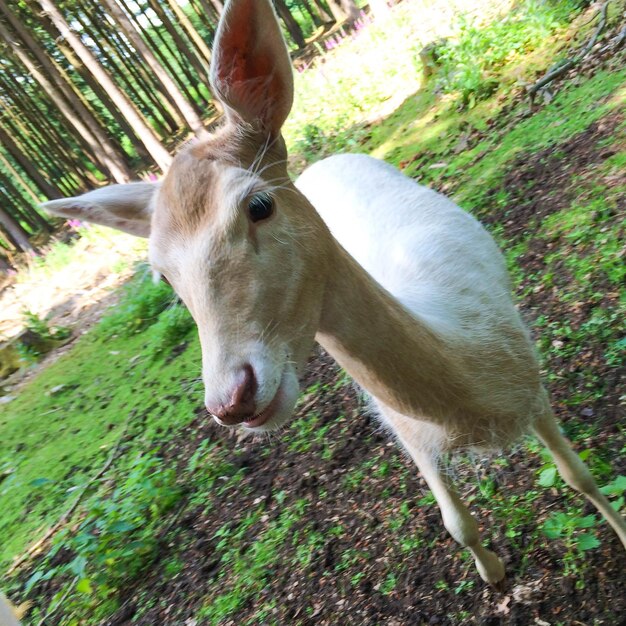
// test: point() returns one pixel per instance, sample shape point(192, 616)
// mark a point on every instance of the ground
point(329, 522)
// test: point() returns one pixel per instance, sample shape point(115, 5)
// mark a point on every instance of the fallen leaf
point(502, 608)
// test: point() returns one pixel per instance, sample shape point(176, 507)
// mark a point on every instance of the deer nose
point(241, 406)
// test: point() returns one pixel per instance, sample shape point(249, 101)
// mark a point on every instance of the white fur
point(430, 254)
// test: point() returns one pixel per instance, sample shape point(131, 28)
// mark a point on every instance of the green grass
point(61, 428)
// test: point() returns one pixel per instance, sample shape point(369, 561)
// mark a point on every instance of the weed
point(42, 328)
point(463, 586)
point(117, 538)
point(144, 301)
point(412, 542)
point(567, 527)
point(470, 66)
point(389, 584)
point(245, 573)
point(616, 487)
point(351, 559)
point(172, 326)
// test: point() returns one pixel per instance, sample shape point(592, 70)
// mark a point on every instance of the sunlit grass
point(368, 77)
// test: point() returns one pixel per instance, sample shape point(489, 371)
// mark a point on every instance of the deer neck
point(392, 353)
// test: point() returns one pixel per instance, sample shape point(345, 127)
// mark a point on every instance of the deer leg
point(420, 441)
point(457, 519)
point(575, 473)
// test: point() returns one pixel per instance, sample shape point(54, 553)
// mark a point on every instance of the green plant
point(463, 586)
point(470, 66)
point(616, 487)
point(41, 327)
point(117, 538)
point(140, 307)
point(389, 584)
point(567, 527)
point(172, 326)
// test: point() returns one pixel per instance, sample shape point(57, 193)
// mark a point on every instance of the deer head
point(228, 230)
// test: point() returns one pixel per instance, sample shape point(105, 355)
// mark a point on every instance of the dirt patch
point(542, 184)
point(383, 581)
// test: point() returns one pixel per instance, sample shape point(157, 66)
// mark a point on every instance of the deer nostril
point(242, 404)
point(244, 393)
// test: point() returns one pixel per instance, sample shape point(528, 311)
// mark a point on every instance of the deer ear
point(125, 207)
point(251, 70)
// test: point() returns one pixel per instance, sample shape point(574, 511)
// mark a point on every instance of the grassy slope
point(51, 440)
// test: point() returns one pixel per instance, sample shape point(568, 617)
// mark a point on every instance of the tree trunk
point(321, 9)
point(15, 175)
point(219, 6)
point(292, 26)
point(35, 132)
point(186, 110)
point(149, 138)
point(344, 10)
point(29, 214)
point(94, 85)
point(190, 30)
point(15, 231)
point(62, 91)
point(47, 189)
point(166, 58)
point(204, 12)
point(315, 18)
point(131, 76)
point(187, 53)
point(193, 77)
point(43, 157)
point(212, 9)
point(32, 118)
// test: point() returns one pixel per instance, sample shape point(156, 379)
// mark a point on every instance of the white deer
point(404, 289)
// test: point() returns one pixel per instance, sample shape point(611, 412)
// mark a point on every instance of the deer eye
point(260, 207)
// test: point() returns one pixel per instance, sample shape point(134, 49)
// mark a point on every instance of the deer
point(404, 289)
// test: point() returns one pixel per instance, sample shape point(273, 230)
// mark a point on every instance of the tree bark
point(62, 93)
point(185, 109)
point(148, 137)
point(293, 27)
point(191, 31)
point(15, 175)
point(15, 231)
point(51, 192)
